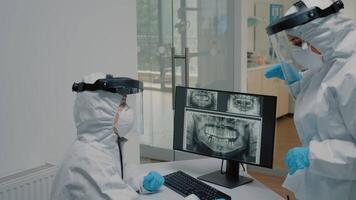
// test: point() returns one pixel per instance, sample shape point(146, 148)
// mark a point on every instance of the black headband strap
point(300, 5)
point(303, 16)
point(110, 84)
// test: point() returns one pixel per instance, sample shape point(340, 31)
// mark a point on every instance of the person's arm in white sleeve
point(136, 182)
point(143, 182)
point(97, 184)
point(333, 159)
point(295, 88)
point(337, 158)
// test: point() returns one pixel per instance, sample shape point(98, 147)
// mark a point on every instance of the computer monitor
point(232, 126)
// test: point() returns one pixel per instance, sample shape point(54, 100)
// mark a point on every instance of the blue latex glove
point(153, 181)
point(276, 72)
point(297, 158)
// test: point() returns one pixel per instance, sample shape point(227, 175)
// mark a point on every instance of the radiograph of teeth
point(222, 135)
point(202, 99)
point(244, 104)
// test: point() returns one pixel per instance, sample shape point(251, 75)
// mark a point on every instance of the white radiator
point(33, 184)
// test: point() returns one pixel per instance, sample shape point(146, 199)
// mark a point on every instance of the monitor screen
point(226, 125)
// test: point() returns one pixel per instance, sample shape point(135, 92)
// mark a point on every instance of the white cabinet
point(258, 84)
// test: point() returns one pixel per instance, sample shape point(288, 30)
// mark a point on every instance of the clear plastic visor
point(133, 104)
point(284, 45)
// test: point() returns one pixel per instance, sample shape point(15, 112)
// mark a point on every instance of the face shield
point(129, 115)
point(291, 50)
point(284, 49)
point(135, 103)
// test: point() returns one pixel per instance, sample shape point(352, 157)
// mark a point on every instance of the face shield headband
point(124, 86)
point(131, 105)
point(303, 16)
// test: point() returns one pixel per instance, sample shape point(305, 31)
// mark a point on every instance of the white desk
point(195, 168)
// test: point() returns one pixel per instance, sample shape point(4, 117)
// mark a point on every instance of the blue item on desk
point(153, 181)
point(185, 185)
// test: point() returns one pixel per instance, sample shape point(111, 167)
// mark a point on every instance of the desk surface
point(195, 168)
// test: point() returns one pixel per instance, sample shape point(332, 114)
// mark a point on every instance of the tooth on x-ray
point(202, 99)
point(244, 104)
point(221, 135)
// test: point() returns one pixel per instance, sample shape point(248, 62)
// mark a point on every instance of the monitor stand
point(230, 179)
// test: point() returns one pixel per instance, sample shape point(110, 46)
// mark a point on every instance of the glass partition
point(200, 35)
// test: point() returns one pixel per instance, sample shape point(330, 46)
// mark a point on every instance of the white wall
point(350, 8)
point(46, 45)
point(262, 13)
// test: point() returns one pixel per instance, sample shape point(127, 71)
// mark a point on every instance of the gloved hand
point(276, 72)
point(153, 181)
point(297, 158)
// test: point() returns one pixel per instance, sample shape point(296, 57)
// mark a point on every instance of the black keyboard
point(185, 185)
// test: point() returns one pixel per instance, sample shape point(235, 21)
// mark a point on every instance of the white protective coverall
point(91, 169)
point(325, 111)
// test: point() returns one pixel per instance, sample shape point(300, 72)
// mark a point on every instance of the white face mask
point(125, 121)
point(307, 59)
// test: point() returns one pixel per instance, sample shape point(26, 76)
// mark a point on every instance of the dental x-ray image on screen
point(222, 136)
point(202, 99)
point(244, 104)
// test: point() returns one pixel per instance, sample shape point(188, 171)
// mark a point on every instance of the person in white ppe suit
point(316, 46)
point(93, 168)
